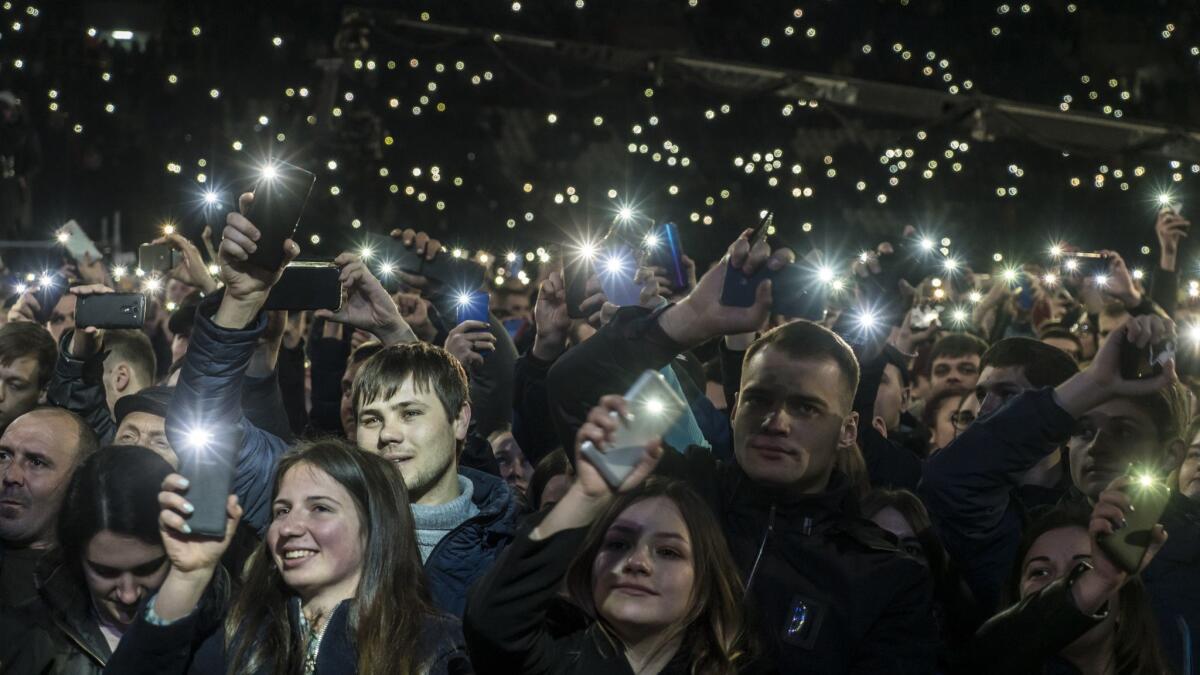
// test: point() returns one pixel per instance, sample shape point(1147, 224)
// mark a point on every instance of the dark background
point(495, 135)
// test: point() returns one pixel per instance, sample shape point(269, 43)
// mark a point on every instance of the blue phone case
point(739, 289)
point(475, 308)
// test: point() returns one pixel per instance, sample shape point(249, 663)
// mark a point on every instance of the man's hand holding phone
point(468, 341)
point(191, 269)
point(700, 316)
point(86, 341)
point(551, 317)
point(424, 246)
point(246, 284)
point(367, 305)
point(1103, 381)
point(1171, 229)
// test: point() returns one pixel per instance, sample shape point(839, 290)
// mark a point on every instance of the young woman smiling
point(647, 571)
point(336, 587)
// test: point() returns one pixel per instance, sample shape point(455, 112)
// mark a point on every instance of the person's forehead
point(1121, 407)
point(409, 391)
point(121, 551)
point(655, 515)
point(40, 433)
point(961, 358)
point(142, 422)
point(307, 480)
point(22, 366)
point(993, 376)
point(1063, 544)
point(775, 368)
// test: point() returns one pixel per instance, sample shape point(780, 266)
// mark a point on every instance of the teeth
point(292, 555)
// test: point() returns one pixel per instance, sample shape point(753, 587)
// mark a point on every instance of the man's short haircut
point(134, 348)
point(801, 340)
point(86, 440)
point(432, 368)
point(23, 338)
point(1170, 410)
point(363, 352)
point(934, 405)
point(1060, 332)
point(956, 345)
point(1044, 365)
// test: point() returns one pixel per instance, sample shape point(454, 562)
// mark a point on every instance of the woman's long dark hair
point(1136, 648)
point(114, 489)
point(713, 630)
point(392, 601)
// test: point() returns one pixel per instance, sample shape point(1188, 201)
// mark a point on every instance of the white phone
point(77, 243)
point(654, 407)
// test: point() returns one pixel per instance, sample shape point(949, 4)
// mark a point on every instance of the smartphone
point(577, 269)
point(618, 270)
point(111, 310)
point(924, 316)
point(208, 465)
point(1148, 494)
point(1146, 362)
point(51, 290)
point(305, 285)
point(279, 198)
point(473, 307)
point(77, 243)
point(654, 407)
point(1084, 263)
point(158, 258)
point(668, 254)
point(739, 289)
point(796, 294)
point(457, 273)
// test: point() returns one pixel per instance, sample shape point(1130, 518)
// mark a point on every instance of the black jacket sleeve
point(1021, 638)
point(262, 403)
point(492, 384)
point(888, 464)
point(1164, 290)
point(78, 386)
point(327, 357)
point(290, 369)
point(606, 363)
point(532, 427)
point(505, 623)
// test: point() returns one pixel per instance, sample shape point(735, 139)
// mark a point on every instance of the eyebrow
point(634, 529)
point(310, 498)
point(377, 406)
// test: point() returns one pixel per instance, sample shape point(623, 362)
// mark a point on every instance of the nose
point(390, 433)
point(777, 422)
point(13, 474)
point(291, 525)
point(638, 561)
point(128, 591)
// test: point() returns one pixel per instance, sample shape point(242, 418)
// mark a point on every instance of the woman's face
point(1189, 471)
point(316, 535)
point(1052, 557)
point(642, 577)
point(893, 521)
point(120, 572)
point(943, 427)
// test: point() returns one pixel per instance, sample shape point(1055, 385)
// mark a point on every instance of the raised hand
point(423, 245)
point(367, 305)
point(246, 284)
point(468, 341)
point(1120, 282)
point(415, 311)
point(1171, 229)
point(191, 269)
point(190, 553)
point(1102, 380)
point(602, 422)
point(550, 317)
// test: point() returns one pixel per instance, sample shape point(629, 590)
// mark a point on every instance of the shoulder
point(442, 641)
point(878, 549)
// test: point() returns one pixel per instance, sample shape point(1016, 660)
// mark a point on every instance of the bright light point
point(959, 315)
point(825, 274)
point(614, 265)
point(866, 320)
point(46, 279)
point(386, 269)
point(587, 251)
point(1072, 265)
point(1101, 280)
point(214, 270)
point(118, 272)
point(654, 406)
point(1193, 332)
point(837, 284)
point(1056, 251)
point(864, 257)
point(210, 197)
point(199, 438)
point(152, 285)
point(122, 35)
point(652, 241)
point(927, 244)
point(464, 299)
point(1138, 274)
point(950, 264)
point(510, 256)
point(625, 213)
point(1145, 480)
point(1049, 279)
point(1010, 275)
point(1164, 199)
point(269, 172)
point(974, 296)
point(168, 229)
point(366, 253)
point(62, 237)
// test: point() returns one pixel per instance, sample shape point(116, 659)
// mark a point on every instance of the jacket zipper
point(74, 638)
point(761, 547)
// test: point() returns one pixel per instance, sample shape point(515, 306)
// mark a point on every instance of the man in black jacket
point(830, 592)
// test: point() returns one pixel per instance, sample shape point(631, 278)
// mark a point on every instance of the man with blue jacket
point(414, 410)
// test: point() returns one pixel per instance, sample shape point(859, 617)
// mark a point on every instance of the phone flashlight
point(269, 171)
point(62, 237)
point(825, 274)
point(210, 197)
point(198, 438)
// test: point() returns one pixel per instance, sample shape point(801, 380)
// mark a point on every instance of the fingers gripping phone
point(280, 193)
point(1146, 362)
point(654, 407)
point(111, 310)
point(739, 289)
point(1148, 494)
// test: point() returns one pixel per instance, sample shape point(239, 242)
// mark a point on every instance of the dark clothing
point(889, 464)
point(1164, 290)
point(290, 369)
point(508, 623)
point(262, 403)
point(470, 549)
point(969, 489)
point(195, 645)
point(492, 384)
point(1027, 637)
point(327, 364)
point(17, 567)
point(829, 591)
point(78, 386)
point(531, 430)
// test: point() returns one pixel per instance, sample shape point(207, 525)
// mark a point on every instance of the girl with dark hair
point(111, 558)
point(647, 569)
point(1075, 611)
point(336, 587)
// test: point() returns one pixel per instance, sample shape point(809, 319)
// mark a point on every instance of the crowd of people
point(892, 484)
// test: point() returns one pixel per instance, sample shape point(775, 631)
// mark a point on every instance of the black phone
point(458, 275)
point(207, 460)
point(281, 191)
point(1145, 362)
point(51, 289)
point(1084, 263)
point(739, 288)
point(797, 294)
point(578, 267)
point(306, 285)
point(1148, 496)
point(158, 258)
point(111, 310)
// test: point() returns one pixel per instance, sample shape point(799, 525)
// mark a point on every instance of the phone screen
point(653, 407)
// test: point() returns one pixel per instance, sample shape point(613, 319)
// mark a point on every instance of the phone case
point(306, 285)
point(1127, 546)
point(654, 407)
point(111, 310)
point(276, 210)
point(157, 257)
point(669, 256)
point(457, 274)
point(797, 294)
point(475, 308)
point(78, 244)
point(209, 470)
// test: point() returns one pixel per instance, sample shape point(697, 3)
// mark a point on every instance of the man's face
point(63, 317)
point(1189, 471)
point(147, 430)
point(953, 372)
point(790, 419)
point(1108, 324)
point(37, 457)
point(892, 399)
point(943, 430)
point(412, 430)
point(1068, 346)
point(349, 424)
point(1107, 440)
point(997, 386)
point(515, 468)
point(513, 306)
point(18, 389)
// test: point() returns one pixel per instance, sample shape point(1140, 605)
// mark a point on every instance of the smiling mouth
point(298, 555)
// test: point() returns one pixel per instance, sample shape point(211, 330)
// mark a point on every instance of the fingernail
point(186, 529)
point(188, 508)
point(1122, 524)
point(1131, 509)
point(183, 482)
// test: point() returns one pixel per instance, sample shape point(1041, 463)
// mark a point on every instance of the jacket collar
point(837, 501)
point(69, 606)
point(498, 510)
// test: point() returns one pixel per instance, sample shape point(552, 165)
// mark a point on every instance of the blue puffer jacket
point(209, 395)
point(469, 550)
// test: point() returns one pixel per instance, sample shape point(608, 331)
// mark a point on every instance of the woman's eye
point(280, 512)
point(670, 553)
point(615, 545)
